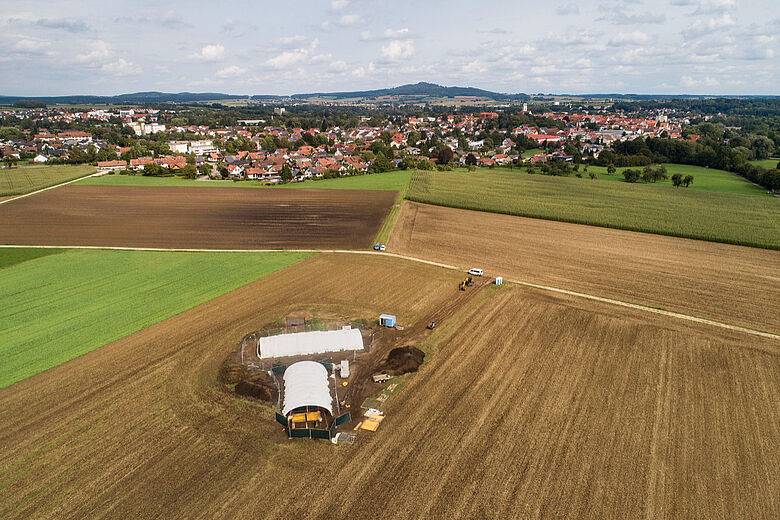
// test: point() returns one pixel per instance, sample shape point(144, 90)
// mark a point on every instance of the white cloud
point(98, 50)
point(473, 67)
point(689, 81)
point(387, 34)
point(297, 39)
point(121, 67)
point(287, 59)
point(230, 72)
point(714, 6)
point(338, 66)
point(339, 5)
point(631, 38)
point(31, 45)
point(209, 53)
point(568, 9)
point(321, 58)
point(348, 20)
point(398, 50)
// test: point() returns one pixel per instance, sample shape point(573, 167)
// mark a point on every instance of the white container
point(499, 280)
point(344, 369)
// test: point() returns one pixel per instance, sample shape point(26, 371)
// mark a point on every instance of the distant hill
point(409, 92)
point(421, 89)
point(132, 99)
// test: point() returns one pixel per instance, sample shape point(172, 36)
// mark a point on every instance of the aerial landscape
point(352, 259)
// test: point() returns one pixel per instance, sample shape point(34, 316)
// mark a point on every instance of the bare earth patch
point(171, 217)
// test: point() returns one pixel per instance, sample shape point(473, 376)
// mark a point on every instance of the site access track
point(636, 306)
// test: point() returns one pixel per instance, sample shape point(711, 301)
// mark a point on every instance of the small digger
point(468, 281)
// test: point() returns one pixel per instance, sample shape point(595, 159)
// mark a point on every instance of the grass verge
point(388, 181)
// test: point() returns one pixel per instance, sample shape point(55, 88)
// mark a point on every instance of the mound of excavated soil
point(403, 359)
point(250, 383)
point(258, 388)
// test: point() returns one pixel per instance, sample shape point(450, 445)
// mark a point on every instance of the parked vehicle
point(475, 271)
point(377, 246)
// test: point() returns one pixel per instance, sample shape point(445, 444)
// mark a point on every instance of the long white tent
point(306, 384)
point(305, 343)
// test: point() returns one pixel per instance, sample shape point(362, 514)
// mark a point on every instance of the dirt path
point(635, 306)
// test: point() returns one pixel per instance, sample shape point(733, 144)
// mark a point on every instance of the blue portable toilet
point(387, 320)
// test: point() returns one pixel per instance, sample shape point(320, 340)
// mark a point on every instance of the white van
point(475, 271)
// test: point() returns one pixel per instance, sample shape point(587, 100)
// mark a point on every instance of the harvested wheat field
point(172, 217)
point(528, 405)
point(733, 284)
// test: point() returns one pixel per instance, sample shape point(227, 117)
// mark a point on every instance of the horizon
point(288, 95)
point(683, 47)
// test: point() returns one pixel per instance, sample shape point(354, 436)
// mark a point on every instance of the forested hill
point(134, 98)
point(418, 89)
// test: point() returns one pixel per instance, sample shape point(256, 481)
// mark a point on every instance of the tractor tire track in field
point(532, 404)
point(611, 301)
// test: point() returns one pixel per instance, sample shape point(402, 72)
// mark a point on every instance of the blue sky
point(628, 46)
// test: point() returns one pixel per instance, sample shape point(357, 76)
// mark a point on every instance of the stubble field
point(727, 283)
point(529, 405)
point(170, 217)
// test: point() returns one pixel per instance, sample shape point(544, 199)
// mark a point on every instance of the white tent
point(305, 343)
point(306, 384)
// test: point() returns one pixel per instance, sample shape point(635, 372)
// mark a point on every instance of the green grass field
point(769, 164)
point(389, 181)
point(58, 307)
point(719, 217)
point(24, 179)
point(705, 179)
point(12, 255)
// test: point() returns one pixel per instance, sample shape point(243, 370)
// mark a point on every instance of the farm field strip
point(5, 200)
point(386, 181)
point(705, 179)
point(722, 283)
point(719, 217)
point(534, 404)
point(193, 218)
point(58, 307)
point(636, 306)
point(25, 179)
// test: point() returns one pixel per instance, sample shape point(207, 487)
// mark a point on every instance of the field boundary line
point(611, 301)
point(49, 188)
point(646, 308)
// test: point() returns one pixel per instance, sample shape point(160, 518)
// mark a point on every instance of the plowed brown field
point(727, 283)
point(171, 217)
point(532, 405)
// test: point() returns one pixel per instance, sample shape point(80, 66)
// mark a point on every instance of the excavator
point(468, 281)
